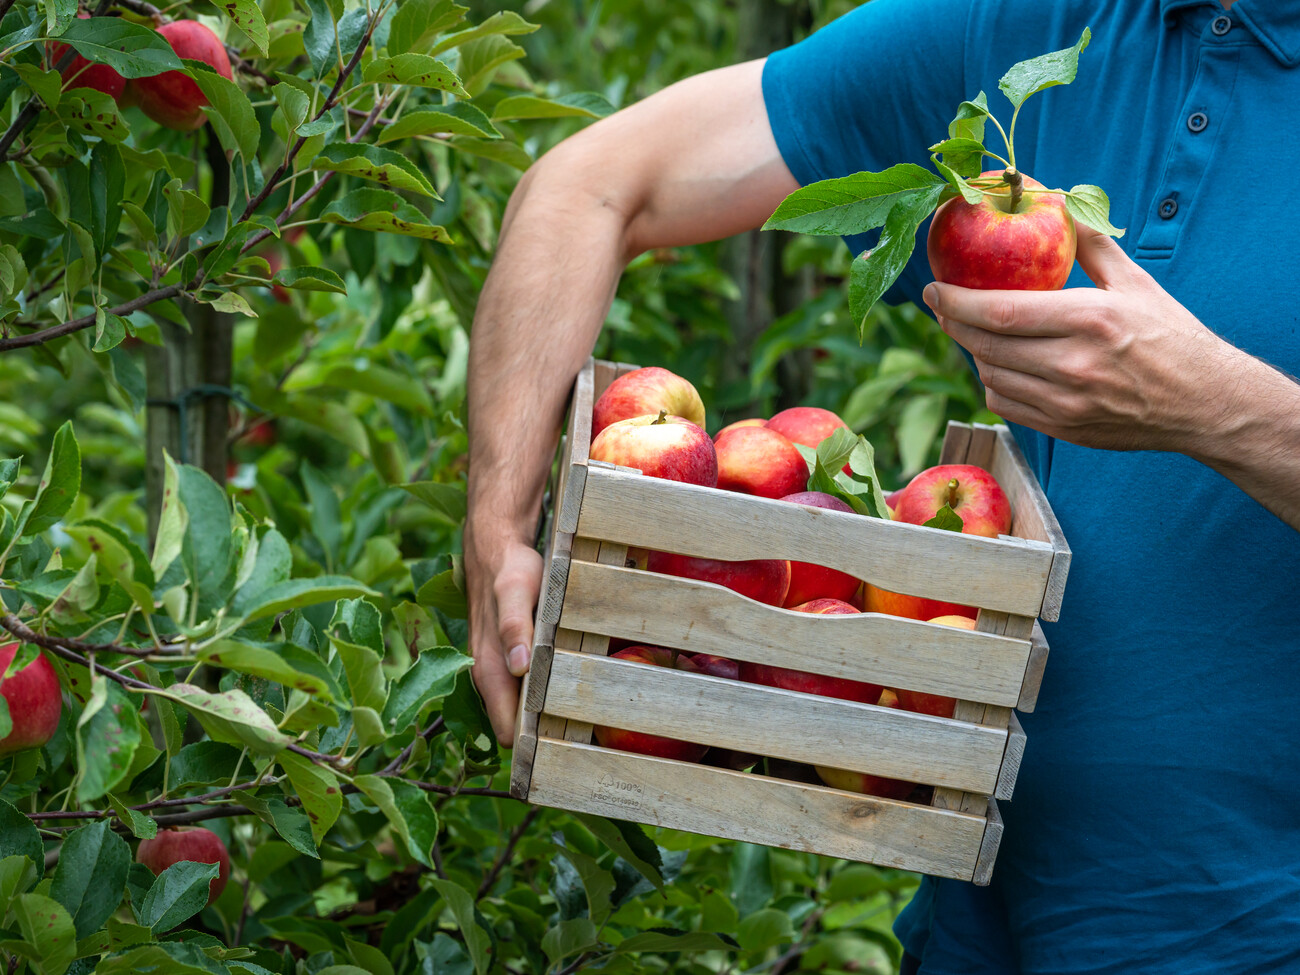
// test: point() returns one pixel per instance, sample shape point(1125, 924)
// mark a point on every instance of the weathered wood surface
point(1038, 651)
point(761, 720)
point(1011, 759)
point(989, 847)
point(702, 617)
point(756, 809)
point(573, 474)
point(648, 512)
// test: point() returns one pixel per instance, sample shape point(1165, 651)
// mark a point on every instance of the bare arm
point(692, 163)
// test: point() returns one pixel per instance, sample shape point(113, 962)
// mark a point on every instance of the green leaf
point(382, 210)
point(248, 17)
point(244, 658)
point(501, 22)
point(107, 735)
point(408, 811)
point(919, 424)
point(441, 592)
point(661, 941)
point(231, 716)
point(596, 881)
point(947, 519)
point(91, 876)
point(46, 926)
point(966, 156)
point(568, 938)
point(186, 210)
point(628, 841)
point(458, 118)
point(584, 104)
point(374, 163)
point(45, 85)
point(498, 150)
point(94, 113)
point(229, 111)
point(19, 837)
point(171, 522)
point(462, 909)
point(310, 279)
point(133, 51)
point(1091, 206)
point(297, 593)
point(1045, 71)
point(167, 958)
point(320, 37)
point(293, 103)
point(317, 787)
point(292, 825)
point(120, 557)
point(955, 178)
point(364, 669)
point(480, 58)
point(140, 825)
point(418, 22)
point(872, 273)
point(448, 500)
point(862, 493)
point(852, 204)
point(60, 484)
point(178, 893)
point(271, 566)
point(418, 70)
point(432, 676)
point(765, 929)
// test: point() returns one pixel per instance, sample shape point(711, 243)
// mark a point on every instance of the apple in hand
point(35, 701)
point(659, 446)
point(648, 390)
point(176, 843)
point(865, 782)
point(935, 704)
point(970, 491)
point(808, 581)
point(172, 98)
point(81, 73)
point(985, 245)
point(640, 742)
point(761, 462)
point(764, 580)
point(808, 683)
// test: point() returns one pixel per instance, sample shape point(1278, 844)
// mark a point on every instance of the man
point(1154, 827)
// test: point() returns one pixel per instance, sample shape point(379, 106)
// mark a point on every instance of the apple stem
point(662, 418)
point(952, 493)
point(1017, 183)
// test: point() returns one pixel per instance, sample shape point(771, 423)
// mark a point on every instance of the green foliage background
point(345, 498)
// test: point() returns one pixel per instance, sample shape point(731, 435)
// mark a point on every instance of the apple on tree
point(172, 98)
point(194, 843)
point(650, 390)
point(809, 683)
point(80, 73)
point(640, 742)
point(669, 447)
point(35, 701)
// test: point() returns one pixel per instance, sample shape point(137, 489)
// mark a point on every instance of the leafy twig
point(56, 644)
point(506, 851)
point(86, 321)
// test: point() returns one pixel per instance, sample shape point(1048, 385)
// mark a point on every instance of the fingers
point(1104, 261)
point(516, 588)
point(499, 690)
point(1033, 355)
point(1040, 313)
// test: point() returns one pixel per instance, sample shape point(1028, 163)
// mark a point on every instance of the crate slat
point(648, 512)
point(701, 617)
point(731, 714)
point(1034, 672)
point(756, 809)
point(573, 474)
point(1011, 759)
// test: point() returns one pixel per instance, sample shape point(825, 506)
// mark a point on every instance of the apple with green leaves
point(172, 98)
point(194, 843)
point(35, 701)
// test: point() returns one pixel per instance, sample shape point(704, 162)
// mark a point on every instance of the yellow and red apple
point(659, 446)
point(35, 701)
point(971, 492)
point(649, 390)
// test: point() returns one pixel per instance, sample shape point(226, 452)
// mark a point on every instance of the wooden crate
point(590, 595)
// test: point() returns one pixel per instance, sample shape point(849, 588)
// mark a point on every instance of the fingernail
point(930, 295)
point(517, 660)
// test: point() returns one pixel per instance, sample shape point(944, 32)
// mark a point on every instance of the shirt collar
point(1276, 23)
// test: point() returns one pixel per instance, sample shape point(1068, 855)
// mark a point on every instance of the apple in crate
point(649, 390)
point(935, 704)
point(877, 600)
point(766, 580)
point(727, 669)
point(640, 742)
point(740, 424)
point(669, 447)
point(807, 425)
point(972, 492)
point(808, 581)
point(865, 782)
point(760, 461)
point(808, 683)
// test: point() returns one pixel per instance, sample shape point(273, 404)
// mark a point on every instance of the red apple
point(659, 446)
point(760, 461)
point(969, 490)
point(648, 390)
point(808, 581)
point(984, 245)
point(865, 782)
point(935, 704)
point(808, 683)
point(81, 73)
point(766, 580)
point(807, 425)
point(35, 701)
point(644, 744)
point(194, 843)
point(739, 425)
point(172, 98)
point(877, 600)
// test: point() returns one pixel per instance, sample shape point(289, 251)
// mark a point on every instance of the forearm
point(1254, 437)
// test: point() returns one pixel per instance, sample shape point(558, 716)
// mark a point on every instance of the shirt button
point(1197, 121)
point(1168, 207)
point(1221, 25)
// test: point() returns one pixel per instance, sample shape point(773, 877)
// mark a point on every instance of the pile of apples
point(653, 420)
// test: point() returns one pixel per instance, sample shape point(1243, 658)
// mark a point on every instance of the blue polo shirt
point(1156, 821)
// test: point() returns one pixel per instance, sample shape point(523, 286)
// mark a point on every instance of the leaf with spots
point(418, 70)
point(317, 787)
point(383, 210)
point(374, 163)
point(130, 49)
point(458, 118)
point(418, 22)
point(119, 556)
point(246, 658)
point(48, 928)
point(107, 735)
point(231, 716)
point(248, 17)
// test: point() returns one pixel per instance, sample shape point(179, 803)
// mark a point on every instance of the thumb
point(516, 588)
point(1103, 260)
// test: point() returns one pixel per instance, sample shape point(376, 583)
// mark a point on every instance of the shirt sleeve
point(874, 88)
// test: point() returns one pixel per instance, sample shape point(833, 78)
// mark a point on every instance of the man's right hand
point(692, 163)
